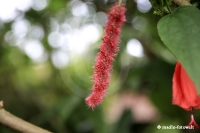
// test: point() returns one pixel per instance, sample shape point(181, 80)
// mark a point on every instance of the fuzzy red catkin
point(105, 57)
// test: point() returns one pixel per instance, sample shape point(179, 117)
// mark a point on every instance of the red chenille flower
point(184, 93)
point(105, 57)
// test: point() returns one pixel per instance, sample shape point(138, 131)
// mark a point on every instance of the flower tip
point(95, 99)
point(193, 124)
point(90, 101)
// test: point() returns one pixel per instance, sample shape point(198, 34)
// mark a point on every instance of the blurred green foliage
point(51, 95)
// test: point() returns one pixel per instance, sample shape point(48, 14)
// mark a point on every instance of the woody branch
point(18, 124)
point(182, 2)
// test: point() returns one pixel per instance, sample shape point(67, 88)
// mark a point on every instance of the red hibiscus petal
point(184, 92)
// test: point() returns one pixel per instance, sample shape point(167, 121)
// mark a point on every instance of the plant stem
point(182, 2)
point(169, 9)
point(18, 124)
point(120, 1)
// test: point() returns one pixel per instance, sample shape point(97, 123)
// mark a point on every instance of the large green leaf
point(180, 32)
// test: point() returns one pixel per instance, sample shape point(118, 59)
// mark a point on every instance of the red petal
point(184, 91)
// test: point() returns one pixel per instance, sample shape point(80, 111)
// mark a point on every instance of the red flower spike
point(192, 121)
point(105, 57)
point(184, 92)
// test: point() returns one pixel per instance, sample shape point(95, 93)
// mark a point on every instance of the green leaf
point(180, 32)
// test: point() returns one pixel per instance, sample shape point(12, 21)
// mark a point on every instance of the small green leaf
point(180, 32)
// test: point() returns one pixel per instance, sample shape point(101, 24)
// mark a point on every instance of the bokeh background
point(47, 50)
